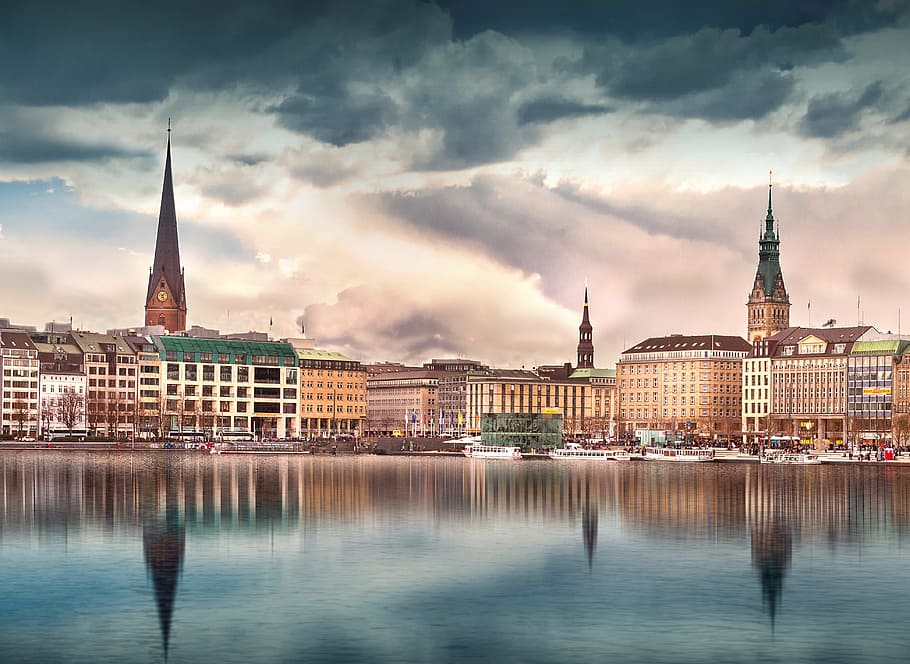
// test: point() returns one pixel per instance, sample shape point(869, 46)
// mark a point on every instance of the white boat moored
point(576, 451)
point(791, 458)
point(481, 451)
point(678, 454)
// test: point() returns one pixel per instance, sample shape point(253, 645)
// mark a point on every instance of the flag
point(460, 421)
point(270, 321)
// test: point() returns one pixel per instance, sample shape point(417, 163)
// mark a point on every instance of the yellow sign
point(550, 411)
point(885, 391)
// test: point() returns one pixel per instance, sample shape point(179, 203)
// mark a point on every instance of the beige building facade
point(333, 394)
point(682, 385)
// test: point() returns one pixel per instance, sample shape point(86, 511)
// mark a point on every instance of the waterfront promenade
point(393, 447)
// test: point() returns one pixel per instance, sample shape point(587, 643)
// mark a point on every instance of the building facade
point(403, 401)
point(871, 368)
point(62, 381)
point(808, 381)
point(149, 398)
point(519, 392)
point(216, 385)
point(110, 369)
point(333, 394)
point(768, 308)
point(19, 401)
point(683, 385)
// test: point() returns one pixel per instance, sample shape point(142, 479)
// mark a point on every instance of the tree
point(47, 414)
point(111, 414)
point(901, 427)
point(21, 416)
point(94, 410)
point(70, 407)
point(208, 418)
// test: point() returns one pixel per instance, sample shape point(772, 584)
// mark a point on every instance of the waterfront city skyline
point(415, 180)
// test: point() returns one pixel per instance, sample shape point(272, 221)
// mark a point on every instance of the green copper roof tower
point(769, 305)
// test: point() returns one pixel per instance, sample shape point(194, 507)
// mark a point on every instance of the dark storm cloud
point(26, 146)
point(340, 119)
point(350, 71)
point(634, 20)
point(550, 110)
point(695, 75)
point(832, 115)
point(54, 53)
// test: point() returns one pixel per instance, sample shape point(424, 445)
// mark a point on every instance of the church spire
point(585, 343)
point(166, 297)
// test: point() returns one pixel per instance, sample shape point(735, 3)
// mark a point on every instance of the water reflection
point(163, 538)
point(164, 500)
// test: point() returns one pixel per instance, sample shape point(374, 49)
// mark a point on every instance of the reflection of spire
point(772, 547)
point(589, 530)
point(163, 538)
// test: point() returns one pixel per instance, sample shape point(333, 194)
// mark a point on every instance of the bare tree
point(901, 427)
point(21, 416)
point(47, 414)
point(207, 418)
point(111, 414)
point(94, 410)
point(70, 408)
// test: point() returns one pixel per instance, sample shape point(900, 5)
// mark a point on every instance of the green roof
point(593, 373)
point(884, 347)
point(316, 354)
point(231, 347)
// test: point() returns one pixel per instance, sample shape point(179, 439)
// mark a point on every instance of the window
point(227, 373)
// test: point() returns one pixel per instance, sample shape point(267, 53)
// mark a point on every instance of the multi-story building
point(900, 395)
point(213, 385)
point(333, 394)
point(679, 384)
point(110, 369)
point(403, 401)
point(602, 419)
point(20, 384)
point(871, 368)
point(808, 381)
point(62, 380)
point(768, 307)
point(149, 398)
point(519, 391)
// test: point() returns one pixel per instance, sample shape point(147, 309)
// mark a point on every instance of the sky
point(412, 180)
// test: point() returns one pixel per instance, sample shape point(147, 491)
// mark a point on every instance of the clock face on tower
point(162, 296)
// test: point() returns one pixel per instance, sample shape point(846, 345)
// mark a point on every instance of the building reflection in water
point(163, 538)
point(166, 498)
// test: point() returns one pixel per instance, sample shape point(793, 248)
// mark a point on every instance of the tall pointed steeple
point(166, 295)
point(585, 343)
point(769, 305)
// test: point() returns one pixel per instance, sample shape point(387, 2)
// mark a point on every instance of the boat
point(796, 458)
point(481, 451)
point(678, 454)
point(576, 451)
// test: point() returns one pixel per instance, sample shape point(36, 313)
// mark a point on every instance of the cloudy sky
point(432, 179)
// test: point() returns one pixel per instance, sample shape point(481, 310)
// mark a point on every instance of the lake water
point(196, 558)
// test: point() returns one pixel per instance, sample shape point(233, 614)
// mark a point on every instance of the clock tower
point(165, 300)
